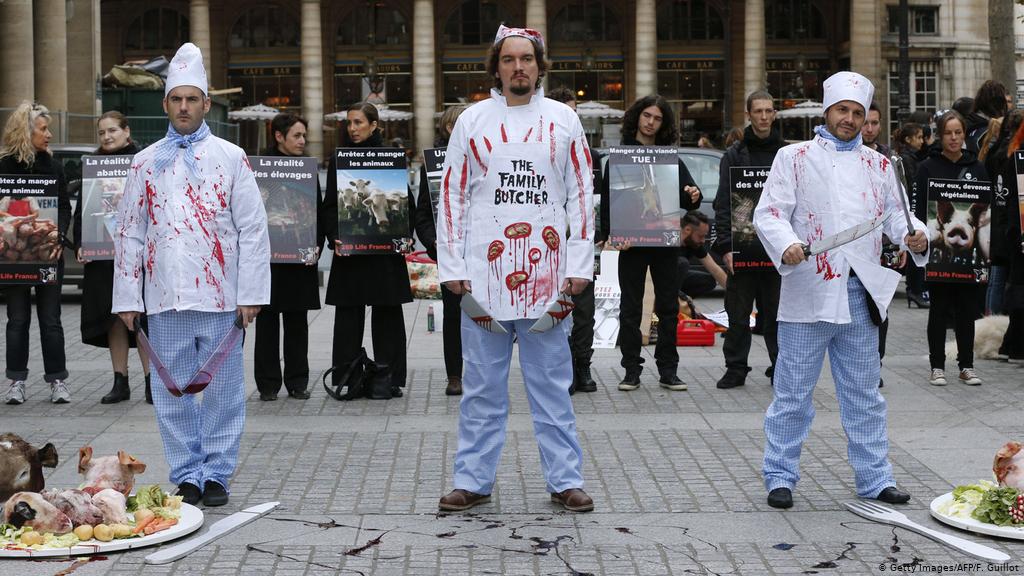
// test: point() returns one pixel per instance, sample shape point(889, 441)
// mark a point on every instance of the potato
point(103, 533)
point(142, 515)
point(121, 530)
point(84, 532)
point(31, 538)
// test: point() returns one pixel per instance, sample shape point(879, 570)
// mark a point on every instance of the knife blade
point(217, 529)
point(478, 314)
point(901, 181)
point(845, 237)
point(553, 316)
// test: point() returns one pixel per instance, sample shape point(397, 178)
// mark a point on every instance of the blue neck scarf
point(841, 146)
point(168, 149)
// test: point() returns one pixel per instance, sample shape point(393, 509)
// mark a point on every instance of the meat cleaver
point(478, 314)
point(553, 316)
point(845, 237)
point(219, 528)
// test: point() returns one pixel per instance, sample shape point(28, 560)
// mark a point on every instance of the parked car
point(70, 156)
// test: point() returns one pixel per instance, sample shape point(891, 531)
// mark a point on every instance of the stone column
point(753, 48)
point(313, 78)
point(199, 29)
point(536, 18)
point(646, 48)
point(424, 70)
point(84, 58)
point(865, 49)
point(50, 37)
point(17, 74)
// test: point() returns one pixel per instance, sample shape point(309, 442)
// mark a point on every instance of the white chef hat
point(528, 33)
point(186, 69)
point(848, 86)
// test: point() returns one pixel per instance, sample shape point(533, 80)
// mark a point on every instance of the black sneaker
point(731, 379)
point(214, 494)
point(671, 382)
point(189, 493)
point(631, 381)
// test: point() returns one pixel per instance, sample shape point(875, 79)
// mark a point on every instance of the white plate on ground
point(190, 521)
point(972, 525)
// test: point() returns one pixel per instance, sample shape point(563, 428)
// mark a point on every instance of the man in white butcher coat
point(515, 228)
point(191, 224)
point(835, 300)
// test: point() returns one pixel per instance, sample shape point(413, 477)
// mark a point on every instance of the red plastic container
point(695, 333)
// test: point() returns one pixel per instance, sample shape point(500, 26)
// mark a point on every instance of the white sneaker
point(59, 393)
point(938, 377)
point(967, 376)
point(16, 392)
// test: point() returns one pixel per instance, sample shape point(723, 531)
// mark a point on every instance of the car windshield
point(704, 169)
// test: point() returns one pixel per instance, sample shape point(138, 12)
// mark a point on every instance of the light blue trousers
point(483, 412)
point(853, 354)
point(200, 439)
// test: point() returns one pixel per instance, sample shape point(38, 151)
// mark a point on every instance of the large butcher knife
point(553, 316)
point(844, 237)
point(219, 528)
point(478, 314)
point(901, 180)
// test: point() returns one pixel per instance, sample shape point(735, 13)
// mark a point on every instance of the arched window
point(375, 23)
point(585, 20)
point(474, 22)
point(793, 20)
point(689, 20)
point(157, 29)
point(265, 27)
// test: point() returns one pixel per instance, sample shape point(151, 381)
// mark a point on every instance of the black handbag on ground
point(362, 378)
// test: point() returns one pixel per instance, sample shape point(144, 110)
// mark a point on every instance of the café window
point(585, 20)
point(603, 82)
point(689, 20)
point(465, 83)
point(474, 22)
point(923, 20)
point(275, 86)
point(265, 27)
point(393, 85)
point(375, 23)
point(924, 89)
point(793, 20)
point(157, 29)
point(797, 80)
point(696, 90)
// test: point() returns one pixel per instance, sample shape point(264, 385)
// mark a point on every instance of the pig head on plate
point(30, 509)
point(116, 472)
point(1008, 465)
point(21, 465)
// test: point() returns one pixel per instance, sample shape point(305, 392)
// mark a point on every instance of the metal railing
point(70, 127)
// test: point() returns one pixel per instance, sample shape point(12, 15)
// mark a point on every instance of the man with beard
point(814, 190)
point(695, 227)
point(872, 129)
point(761, 140)
point(192, 223)
point(514, 237)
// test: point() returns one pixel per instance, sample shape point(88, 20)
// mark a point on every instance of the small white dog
point(988, 337)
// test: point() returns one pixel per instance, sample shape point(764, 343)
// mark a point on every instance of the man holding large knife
point(828, 200)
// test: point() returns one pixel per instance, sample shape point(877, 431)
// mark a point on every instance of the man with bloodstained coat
point(515, 230)
point(191, 223)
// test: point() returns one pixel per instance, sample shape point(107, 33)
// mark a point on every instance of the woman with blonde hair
point(26, 150)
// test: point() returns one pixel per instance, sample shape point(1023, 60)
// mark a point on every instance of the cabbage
point(58, 541)
point(151, 496)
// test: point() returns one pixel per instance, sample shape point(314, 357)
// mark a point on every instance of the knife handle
point(807, 251)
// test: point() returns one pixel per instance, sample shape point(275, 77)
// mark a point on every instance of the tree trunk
point(1002, 44)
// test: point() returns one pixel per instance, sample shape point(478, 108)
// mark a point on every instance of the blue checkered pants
point(853, 354)
point(200, 438)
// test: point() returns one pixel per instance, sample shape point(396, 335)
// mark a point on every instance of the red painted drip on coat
point(590, 161)
point(448, 207)
point(799, 161)
point(487, 143)
point(476, 155)
point(540, 128)
point(884, 164)
point(579, 182)
point(462, 191)
point(528, 133)
point(211, 279)
point(504, 135)
point(151, 204)
point(218, 253)
point(825, 266)
point(150, 256)
point(551, 139)
point(218, 189)
point(774, 211)
point(247, 165)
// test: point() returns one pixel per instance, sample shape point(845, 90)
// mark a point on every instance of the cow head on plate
point(21, 465)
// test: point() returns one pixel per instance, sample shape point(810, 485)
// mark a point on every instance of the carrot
point(142, 525)
point(160, 525)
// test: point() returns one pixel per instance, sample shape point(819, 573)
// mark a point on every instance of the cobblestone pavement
point(675, 475)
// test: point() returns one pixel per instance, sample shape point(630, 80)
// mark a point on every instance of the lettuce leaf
point(150, 496)
point(994, 507)
point(167, 512)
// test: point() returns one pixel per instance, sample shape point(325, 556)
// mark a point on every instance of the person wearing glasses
point(192, 227)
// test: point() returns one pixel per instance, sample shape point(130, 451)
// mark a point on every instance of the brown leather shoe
point(574, 500)
point(454, 387)
point(459, 499)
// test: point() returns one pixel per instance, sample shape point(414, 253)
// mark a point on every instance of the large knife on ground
point(478, 314)
point(845, 237)
point(219, 528)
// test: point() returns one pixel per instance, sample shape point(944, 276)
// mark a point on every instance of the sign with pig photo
point(373, 201)
point(433, 162)
point(29, 236)
point(745, 184)
point(958, 230)
point(288, 188)
point(643, 195)
point(103, 179)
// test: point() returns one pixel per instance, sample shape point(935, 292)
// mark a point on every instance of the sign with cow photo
point(745, 184)
point(288, 188)
point(373, 201)
point(103, 179)
point(433, 162)
point(643, 195)
point(29, 236)
point(959, 220)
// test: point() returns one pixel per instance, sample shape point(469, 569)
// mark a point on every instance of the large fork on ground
point(873, 511)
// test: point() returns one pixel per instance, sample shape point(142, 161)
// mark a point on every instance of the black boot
point(585, 382)
point(119, 392)
point(149, 391)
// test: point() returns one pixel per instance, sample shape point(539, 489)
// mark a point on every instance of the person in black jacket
point(100, 327)
point(1013, 341)
point(26, 150)
point(960, 300)
point(294, 289)
point(910, 142)
point(426, 231)
point(650, 121)
point(761, 140)
point(990, 102)
point(357, 281)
